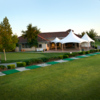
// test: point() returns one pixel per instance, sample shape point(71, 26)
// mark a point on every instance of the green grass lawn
point(73, 80)
point(20, 56)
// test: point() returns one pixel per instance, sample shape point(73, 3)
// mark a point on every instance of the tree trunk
point(4, 54)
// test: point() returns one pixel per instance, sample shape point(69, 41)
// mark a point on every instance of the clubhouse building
point(56, 41)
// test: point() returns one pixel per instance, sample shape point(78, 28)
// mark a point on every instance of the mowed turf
point(74, 80)
point(21, 56)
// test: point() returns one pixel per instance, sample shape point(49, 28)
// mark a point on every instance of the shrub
point(95, 47)
point(80, 53)
point(38, 60)
point(32, 61)
point(70, 55)
point(97, 50)
point(65, 56)
point(67, 53)
point(75, 53)
point(44, 59)
point(83, 52)
point(2, 67)
point(21, 64)
point(52, 58)
point(61, 57)
point(87, 52)
point(12, 66)
point(91, 51)
point(28, 62)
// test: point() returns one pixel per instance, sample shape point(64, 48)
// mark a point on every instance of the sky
point(52, 15)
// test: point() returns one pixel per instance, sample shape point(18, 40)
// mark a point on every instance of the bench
point(39, 49)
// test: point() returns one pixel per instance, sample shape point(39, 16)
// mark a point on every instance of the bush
point(38, 60)
point(91, 51)
point(61, 57)
point(70, 55)
point(95, 47)
point(44, 59)
point(65, 56)
point(87, 52)
point(21, 64)
point(28, 62)
point(75, 53)
point(67, 53)
point(2, 67)
point(12, 66)
point(82, 53)
point(51, 58)
point(97, 50)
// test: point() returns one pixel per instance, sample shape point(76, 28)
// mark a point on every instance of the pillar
point(62, 47)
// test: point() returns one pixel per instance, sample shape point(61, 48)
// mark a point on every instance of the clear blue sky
point(52, 15)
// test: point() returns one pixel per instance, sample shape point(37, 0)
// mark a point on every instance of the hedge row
point(67, 55)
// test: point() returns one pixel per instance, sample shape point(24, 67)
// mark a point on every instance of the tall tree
point(91, 33)
point(31, 34)
point(83, 33)
point(8, 40)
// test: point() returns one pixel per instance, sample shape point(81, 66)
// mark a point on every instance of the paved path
point(98, 47)
point(5, 64)
point(3, 73)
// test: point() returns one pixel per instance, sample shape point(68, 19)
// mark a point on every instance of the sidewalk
point(3, 73)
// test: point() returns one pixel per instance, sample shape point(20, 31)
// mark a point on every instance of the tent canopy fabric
point(86, 37)
point(56, 40)
point(72, 38)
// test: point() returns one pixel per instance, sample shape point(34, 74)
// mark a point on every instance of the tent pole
point(55, 46)
point(49, 45)
point(79, 46)
point(88, 46)
point(62, 47)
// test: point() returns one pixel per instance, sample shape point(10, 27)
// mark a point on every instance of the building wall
point(24, 49)
point(44, 46)
point(28, 49)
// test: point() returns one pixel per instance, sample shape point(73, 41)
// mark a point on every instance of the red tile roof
point(22, 40)
point(40, 38)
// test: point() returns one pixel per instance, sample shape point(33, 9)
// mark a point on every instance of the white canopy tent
point(87, 38)
point(72, 38)
point(56, 40)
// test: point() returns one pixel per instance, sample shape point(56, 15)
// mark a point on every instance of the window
point(25, 45)
point(40, 45)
